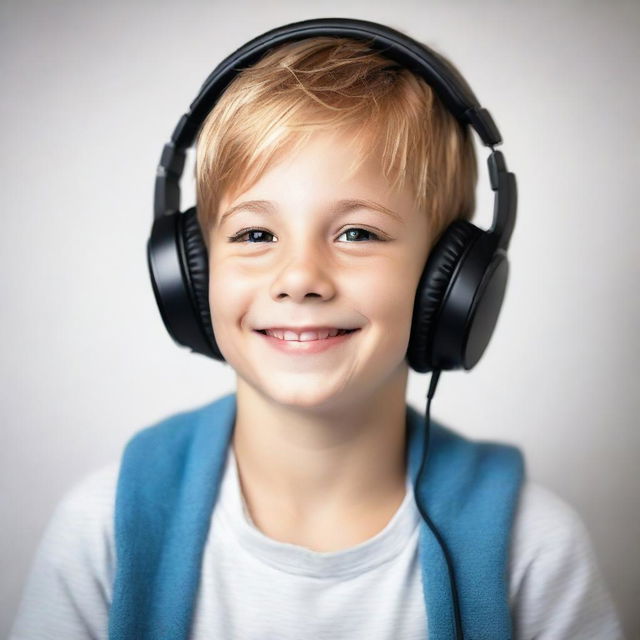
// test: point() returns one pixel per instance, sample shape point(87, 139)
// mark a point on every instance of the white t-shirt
point(255, 588)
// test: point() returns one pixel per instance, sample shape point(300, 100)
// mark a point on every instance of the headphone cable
point(452, 581)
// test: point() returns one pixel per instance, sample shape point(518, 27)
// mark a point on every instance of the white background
point(90, 92)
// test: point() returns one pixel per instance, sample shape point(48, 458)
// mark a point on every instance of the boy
point(325, 175)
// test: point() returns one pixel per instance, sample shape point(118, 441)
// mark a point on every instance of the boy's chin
point(310, 396)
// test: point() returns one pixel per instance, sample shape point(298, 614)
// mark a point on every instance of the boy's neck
point(325, 481)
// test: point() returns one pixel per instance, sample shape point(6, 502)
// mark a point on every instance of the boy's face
point(298, 268)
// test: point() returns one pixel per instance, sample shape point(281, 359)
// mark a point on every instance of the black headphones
point(462, 287)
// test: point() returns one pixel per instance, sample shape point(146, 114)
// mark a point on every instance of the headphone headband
point(454, 91)
point(450, 87)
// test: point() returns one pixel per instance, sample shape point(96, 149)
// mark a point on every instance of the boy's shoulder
point(556, 586)
point(83, 524)
point(546, 528)
point(86, 512)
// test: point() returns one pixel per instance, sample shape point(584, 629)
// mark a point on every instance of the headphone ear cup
point(439, 271)
point(196, 261)
point(179, 271)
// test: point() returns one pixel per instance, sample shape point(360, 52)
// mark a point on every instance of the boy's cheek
point(229, 292)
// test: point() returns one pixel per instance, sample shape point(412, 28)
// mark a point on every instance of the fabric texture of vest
point(167, 488)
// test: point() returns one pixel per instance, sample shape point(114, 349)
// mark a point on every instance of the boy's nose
point(304, 274)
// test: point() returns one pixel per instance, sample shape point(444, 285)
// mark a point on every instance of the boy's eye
point(257, 235)
point(354, 232)
point(254, 234)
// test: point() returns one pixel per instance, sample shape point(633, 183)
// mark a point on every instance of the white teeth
point(305, 336)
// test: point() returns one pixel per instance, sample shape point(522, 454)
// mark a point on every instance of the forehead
point(327, 166)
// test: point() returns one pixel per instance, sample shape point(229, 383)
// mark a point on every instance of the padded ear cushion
point(197, 263)
point(434, 283)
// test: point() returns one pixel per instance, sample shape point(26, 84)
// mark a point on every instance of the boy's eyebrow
point(339, 207)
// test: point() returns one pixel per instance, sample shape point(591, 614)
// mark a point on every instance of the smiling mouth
point(292, 337)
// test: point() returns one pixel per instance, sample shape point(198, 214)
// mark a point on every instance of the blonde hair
point(336, 84)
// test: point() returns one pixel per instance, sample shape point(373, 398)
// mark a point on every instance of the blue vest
point(168, 485)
